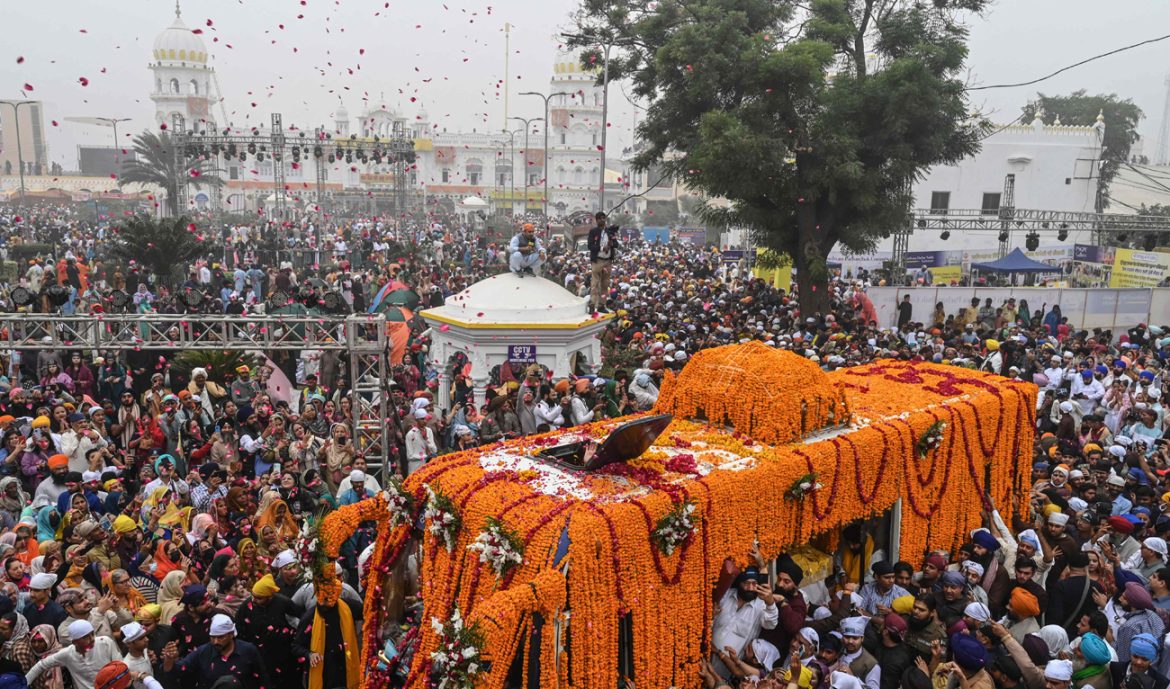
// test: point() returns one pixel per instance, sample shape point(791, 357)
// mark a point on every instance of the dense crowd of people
point(150, 516)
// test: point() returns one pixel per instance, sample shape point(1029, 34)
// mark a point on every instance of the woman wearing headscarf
point(170, 593)
point(13, 500)
point(1055, 637)
point(43, 640)
point(336, 455)
point(47, 522)
point(225, 564)
point(278, 516)
point(160, 511)
point(252, 566)
point(269, 544)
point(167, 558)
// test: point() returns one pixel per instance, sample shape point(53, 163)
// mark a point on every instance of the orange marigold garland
point(731, 477)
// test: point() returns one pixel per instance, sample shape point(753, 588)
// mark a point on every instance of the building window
point(233, 172)
point(991, 203)
point(174, 85)
point(446, 176)
point(940, 202)
point(563, 138)
point(474, 171)
point(194, 87)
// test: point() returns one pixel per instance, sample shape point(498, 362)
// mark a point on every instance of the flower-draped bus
point(588, 555)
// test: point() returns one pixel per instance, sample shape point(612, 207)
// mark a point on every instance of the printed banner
point(1132, 268)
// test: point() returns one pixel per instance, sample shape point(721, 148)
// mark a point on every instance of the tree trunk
point(811, 263)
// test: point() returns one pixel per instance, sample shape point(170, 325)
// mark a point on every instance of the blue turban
point(1145, 646)
point(968, 652)
point(13, 680)
point(953, 579)
point(1138, 475)
point(1094, 649)
point(985, 540)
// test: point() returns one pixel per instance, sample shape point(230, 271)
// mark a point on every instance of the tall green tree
point(154, 164)
point(813, 118)
point(1121, 118)
point(164, 246)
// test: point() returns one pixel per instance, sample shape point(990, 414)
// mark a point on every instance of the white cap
point(79, 629)
point(132, 632)
point(357, 476)
point(1066, 407)
point(1115, 480)
point(420, 413)
point(1123, 440)
point(853, 626)
point(1157, 545)
point(1058, 518)
point(977, 612)
point(222, 625)
point(87, 476)
point(1059, 670)
point(44, 580)
point(1117, 451)
point(283, 559)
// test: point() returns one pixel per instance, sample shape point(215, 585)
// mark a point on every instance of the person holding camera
point(603, 246)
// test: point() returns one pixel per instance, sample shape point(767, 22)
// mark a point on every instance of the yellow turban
point(266, 586)
point(903, 604)
point(150, 611)
point(992, 345)
point(1050, 510)
point(124, 524)
point(41, 422)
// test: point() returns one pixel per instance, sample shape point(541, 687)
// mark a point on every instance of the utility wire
point(1072, 66)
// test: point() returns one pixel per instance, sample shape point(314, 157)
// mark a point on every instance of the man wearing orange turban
point(1022, 607)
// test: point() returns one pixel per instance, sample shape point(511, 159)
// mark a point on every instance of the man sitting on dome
point(525, 252)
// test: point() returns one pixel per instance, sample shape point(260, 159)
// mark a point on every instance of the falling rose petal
point(28, 87)
point(53, 122)
point(20, 60)
point(444, 328)
point(83, 81)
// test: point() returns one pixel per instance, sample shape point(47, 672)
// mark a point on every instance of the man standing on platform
point(603, 245)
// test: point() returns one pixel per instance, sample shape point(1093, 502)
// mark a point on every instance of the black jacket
point(595, 242)
point(1118, 670)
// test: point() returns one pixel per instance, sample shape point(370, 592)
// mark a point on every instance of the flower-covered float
point(551, 560)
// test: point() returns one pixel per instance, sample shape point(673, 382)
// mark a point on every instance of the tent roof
point(1015, 262)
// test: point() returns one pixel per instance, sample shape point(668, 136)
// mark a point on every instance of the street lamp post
point(511, 171)
point(546, 121)
point(604, 127)
point(15, 104)
point(527, 130)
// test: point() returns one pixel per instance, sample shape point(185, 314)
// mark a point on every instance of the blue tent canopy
point(1015, 262)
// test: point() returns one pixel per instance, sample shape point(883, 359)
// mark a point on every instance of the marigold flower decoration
point(607, 520)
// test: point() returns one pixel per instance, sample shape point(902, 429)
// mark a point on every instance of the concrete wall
point(1116, 309)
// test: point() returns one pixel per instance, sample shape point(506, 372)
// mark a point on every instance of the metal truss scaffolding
point(280, 147)
point(968, 220)
point(362, 338)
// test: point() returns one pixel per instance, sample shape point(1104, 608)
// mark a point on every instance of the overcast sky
point(298, 56)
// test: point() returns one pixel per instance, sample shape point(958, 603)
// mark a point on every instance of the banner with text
point(1132, 268)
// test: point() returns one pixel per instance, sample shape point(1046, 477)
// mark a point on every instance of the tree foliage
point(1121, 119)
point(163, 246)
point(812, 118)
point(154, 164)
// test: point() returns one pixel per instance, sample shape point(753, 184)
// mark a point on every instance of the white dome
point(509, 300)
point(177, 43)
